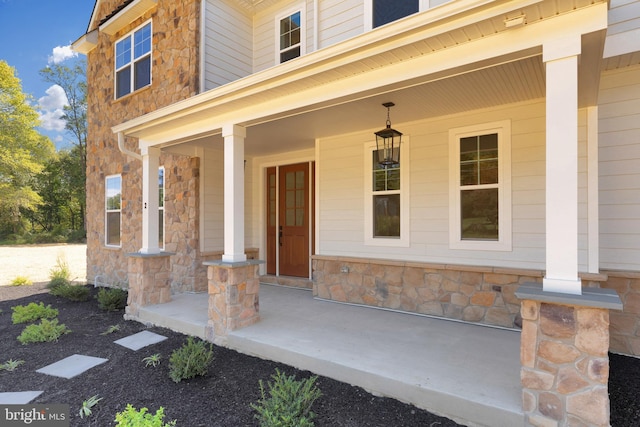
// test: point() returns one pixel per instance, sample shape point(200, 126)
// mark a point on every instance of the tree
point(23, 150)
point(73, 81)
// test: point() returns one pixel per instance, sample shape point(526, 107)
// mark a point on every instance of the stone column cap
point(143, 255)
point(220, 263)
point(591, 297)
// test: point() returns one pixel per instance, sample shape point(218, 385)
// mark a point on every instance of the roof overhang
point(386, 60)
point(86, 43)
point(128, 14)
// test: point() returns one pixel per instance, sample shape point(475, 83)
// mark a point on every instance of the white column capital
point(562, 48)
point(231, 129)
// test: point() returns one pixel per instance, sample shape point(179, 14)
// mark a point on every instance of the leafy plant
point(57, 282)
point(288, 403)
point(112, 299)
point(45, 331)
point(32, 312)
point(61, 270)
point(87, 406)
point(111, 329)
point(190, 360)
point(10, 365)
point(153, 360)
point(71, 292)
point(131, 417)
point(21, 281)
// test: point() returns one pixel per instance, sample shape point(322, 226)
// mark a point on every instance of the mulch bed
point(223, 396)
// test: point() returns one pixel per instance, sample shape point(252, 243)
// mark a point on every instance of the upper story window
point(385, 11)
point(290, 36)
point(133, 61)
point(480, 187)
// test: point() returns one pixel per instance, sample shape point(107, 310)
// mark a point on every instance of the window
point(386, 199)
point(161, 207)
point(385, 11)
point(113, 204)
point(133, 61)
point(480, 214)
point(290, 36)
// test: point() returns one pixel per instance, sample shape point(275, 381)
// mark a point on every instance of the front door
point(289, 228)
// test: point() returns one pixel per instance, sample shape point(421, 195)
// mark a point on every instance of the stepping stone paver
point(71, 366)
point(18, 397)
point(141, 339)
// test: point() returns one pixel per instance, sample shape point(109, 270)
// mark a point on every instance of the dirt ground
point(35, 261)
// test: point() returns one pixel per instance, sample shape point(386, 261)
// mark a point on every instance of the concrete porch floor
point(465, 372)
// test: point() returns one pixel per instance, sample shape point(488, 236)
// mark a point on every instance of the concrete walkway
point(468, 373)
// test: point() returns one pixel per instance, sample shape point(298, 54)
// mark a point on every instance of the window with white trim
point(385, 11)
point(161, 207)
point(133, 61)
point(386, 199)
point(290, 36)
point(113, 206)
point(480, 187)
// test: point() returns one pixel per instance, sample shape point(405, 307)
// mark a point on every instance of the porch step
point(292, 282)
point(186, 313)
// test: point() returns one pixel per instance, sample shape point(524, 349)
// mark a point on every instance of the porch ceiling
point(457, 57)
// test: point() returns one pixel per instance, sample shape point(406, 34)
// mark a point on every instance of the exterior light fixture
point(515, 22)
point(388, 142)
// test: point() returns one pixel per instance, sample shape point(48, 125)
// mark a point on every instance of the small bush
point(112, 299)
point(190, 360)
point(131, 417)
point(21, 281)
point(10, 365)
point(56, 282)
point(45, 331)
point(153, 360)
point(87, 406)
point(32, 312)
point(71, 292)
point(61, 270)
point(289, 402)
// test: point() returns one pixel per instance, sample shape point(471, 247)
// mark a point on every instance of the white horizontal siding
point(619, 169)
point(227, 44)
point(341, 192)
point(212, 202)
point(339, 20)
point(623, 33)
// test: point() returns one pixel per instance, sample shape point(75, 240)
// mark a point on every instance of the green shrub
point(32, 312)
point(21, 281)
point(45, 331)
point(131, 417)
point(10, 365)
point(71, 292)
point(190, 360)
point(112, 299)
point(289, 402)
point(87, 406)
point(61, 270)
point(56, 282)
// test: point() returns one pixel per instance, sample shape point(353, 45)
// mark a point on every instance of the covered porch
point(465, 372)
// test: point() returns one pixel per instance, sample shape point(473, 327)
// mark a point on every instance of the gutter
point(124, 150)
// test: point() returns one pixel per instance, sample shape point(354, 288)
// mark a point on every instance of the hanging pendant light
point(388, 142)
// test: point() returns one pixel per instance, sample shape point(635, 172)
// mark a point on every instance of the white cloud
point(61, 53)
point(50, 108)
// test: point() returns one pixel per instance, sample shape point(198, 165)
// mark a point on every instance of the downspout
point(124, 150)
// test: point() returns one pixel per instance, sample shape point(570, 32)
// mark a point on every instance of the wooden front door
point(288, 228)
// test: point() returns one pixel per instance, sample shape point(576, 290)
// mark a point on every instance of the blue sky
point(35, 33)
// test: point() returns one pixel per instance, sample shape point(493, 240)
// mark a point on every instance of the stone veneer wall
point(483, 295)
point(175, 77)
point(625, 324)
point(565, 366)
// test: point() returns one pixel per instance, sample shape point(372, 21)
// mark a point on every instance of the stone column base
point(233, 297)
point(148, 281)
point(564, 356)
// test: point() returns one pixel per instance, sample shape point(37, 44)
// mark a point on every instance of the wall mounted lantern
point(388, 142)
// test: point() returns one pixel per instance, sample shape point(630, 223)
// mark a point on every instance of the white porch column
point(561, 60)
point(234, 136)
point(150, 202)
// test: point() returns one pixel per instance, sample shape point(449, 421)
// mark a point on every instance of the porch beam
point(150, 199)
point(234, 137)
point(561, 61)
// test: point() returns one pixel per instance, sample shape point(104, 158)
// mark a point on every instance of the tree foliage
point(23, 151)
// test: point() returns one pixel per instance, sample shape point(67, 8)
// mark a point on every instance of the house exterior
point(232, 142)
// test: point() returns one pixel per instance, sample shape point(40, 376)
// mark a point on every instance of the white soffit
point(124, 17)
point(86, 43)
